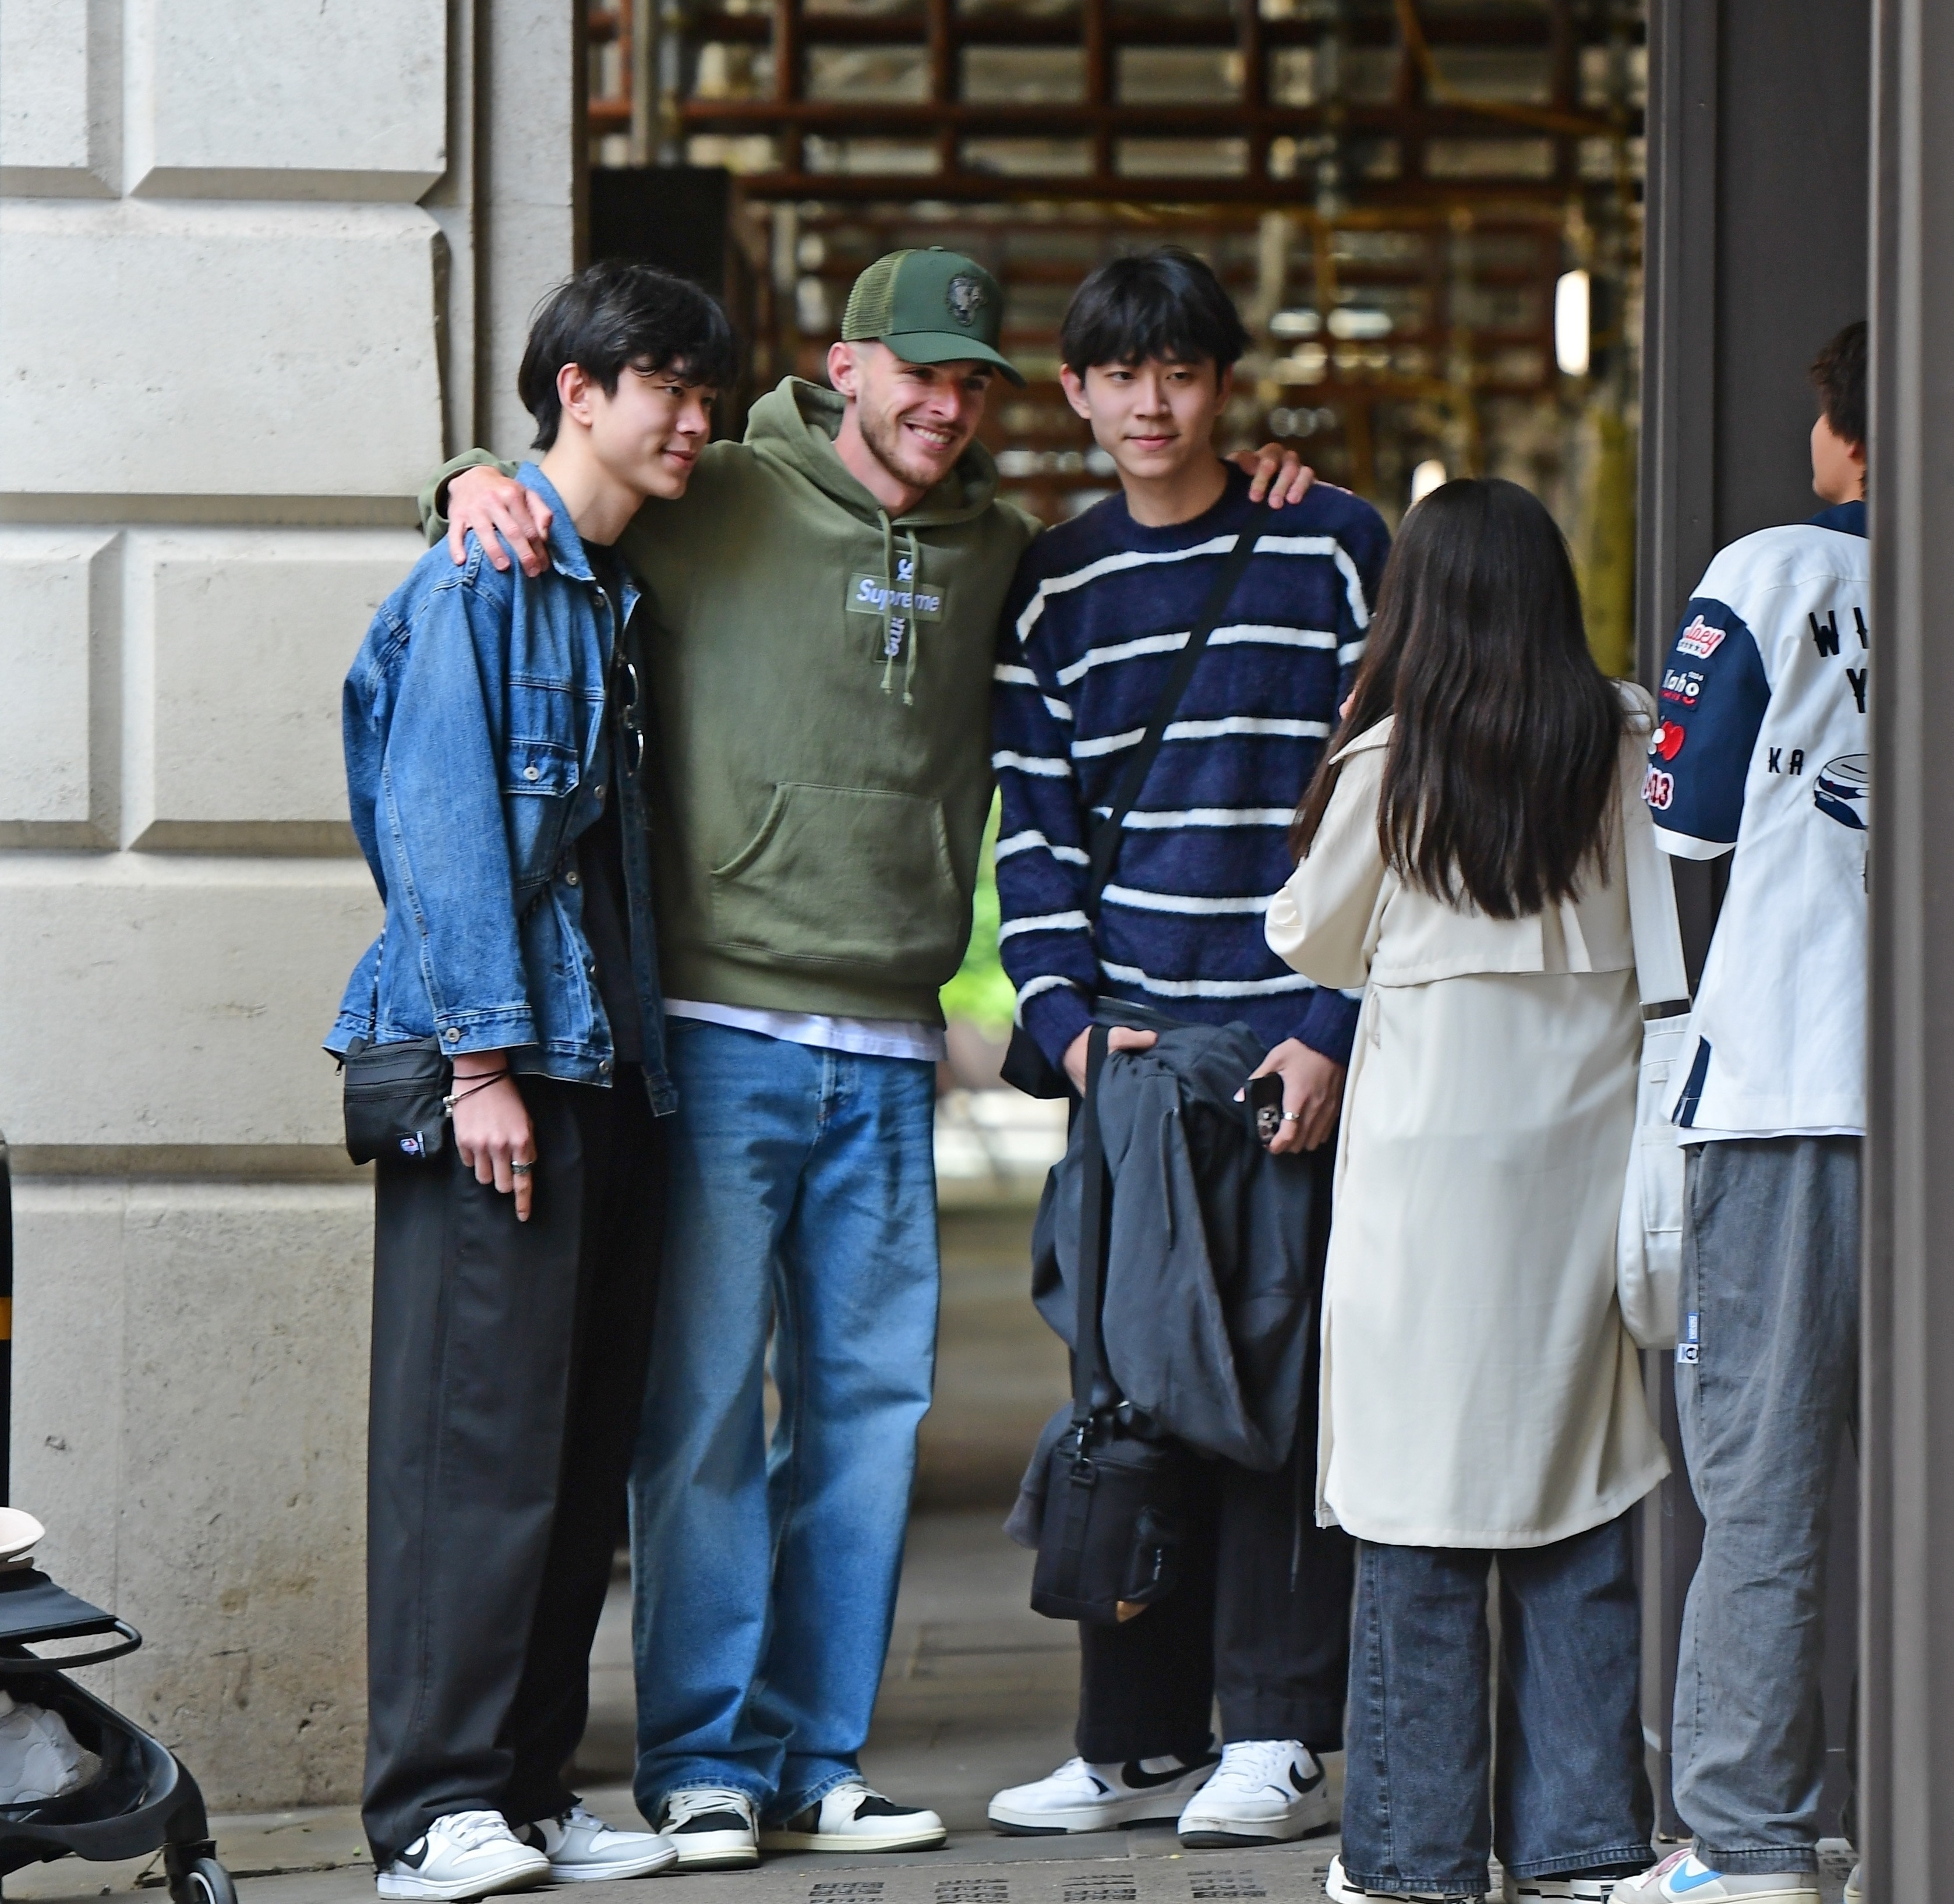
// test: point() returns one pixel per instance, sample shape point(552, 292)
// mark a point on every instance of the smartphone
point(1264, 1099)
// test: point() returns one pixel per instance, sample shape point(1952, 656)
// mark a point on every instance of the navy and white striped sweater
point(1099, 606)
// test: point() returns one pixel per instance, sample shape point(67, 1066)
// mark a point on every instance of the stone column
point(260, 267)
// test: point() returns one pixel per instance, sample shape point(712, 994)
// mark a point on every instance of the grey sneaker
point(581, 1848)
point(467, 1854)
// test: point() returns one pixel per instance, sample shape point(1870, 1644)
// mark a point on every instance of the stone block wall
point(262, 266)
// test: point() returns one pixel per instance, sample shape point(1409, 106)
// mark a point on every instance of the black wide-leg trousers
point(1260, 1621)
point(508, 1373)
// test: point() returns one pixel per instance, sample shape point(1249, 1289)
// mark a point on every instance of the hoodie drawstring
point(889, 641)
point(915, 621)
point(897, 631)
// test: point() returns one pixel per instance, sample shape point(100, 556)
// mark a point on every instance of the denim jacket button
point(453, 1035)
point(532, 773)
point(604, 1066)
point(570, 879)
point(597, 792)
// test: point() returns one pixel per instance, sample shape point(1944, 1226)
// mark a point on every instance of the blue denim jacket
point(476, 752)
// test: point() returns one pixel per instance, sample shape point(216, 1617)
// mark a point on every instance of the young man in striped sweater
point(1100, 607)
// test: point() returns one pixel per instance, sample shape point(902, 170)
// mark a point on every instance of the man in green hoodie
point(826, 596)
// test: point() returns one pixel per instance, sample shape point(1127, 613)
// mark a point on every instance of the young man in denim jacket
point(495, 762)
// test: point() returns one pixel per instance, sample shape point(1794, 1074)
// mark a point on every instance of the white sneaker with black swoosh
point(1683, 1878)
point(1264, 1792)
point(466, 1854)
point(1080, 1796)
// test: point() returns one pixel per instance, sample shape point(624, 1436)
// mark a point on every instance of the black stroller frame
point(142, 1799)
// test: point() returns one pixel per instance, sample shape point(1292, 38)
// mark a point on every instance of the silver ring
point(521, 1170)
point(1292, 1116)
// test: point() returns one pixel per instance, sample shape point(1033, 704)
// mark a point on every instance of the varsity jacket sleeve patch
point(1713, 698)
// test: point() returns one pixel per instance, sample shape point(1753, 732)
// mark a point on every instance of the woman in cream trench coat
point(1478, 1387)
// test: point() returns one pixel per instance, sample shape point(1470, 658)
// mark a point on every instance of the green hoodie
point(825, 757)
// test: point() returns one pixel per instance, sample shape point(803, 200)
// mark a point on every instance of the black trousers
point(1260, 1621)
point(508, 1374)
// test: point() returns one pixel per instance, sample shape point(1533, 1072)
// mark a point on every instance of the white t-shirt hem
point(862, 1037)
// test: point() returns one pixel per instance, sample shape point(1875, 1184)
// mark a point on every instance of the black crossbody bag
point(1110, 1541)
point(1026, 1067)
point(396, 1098)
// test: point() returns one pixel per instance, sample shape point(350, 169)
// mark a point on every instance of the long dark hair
point(1501, 775)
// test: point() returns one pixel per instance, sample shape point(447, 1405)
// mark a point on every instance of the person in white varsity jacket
point(1760, 753)
point(1100, 608)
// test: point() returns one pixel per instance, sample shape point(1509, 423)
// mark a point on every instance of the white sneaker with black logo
point(1337, 1883)
point(713, 1826)
point(581, 1848)
point(1264, 1792)
point(467, 1854)
point(1080, 1796)
point(1589, 1887)
point(854, 1816)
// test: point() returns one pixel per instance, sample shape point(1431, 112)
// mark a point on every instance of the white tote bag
point(1648, 1240)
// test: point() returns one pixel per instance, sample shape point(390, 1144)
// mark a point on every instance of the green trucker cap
point(933, 306)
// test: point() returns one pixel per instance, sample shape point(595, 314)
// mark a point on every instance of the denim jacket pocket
point(538, 790)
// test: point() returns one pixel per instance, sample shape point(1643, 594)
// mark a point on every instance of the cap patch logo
point(966, 297)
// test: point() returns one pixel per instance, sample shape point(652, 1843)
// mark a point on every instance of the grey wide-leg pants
point(1765, 1380)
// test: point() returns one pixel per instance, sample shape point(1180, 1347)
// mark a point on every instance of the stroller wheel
point(205, 1881)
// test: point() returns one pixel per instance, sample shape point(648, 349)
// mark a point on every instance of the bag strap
point(1089, 1351)
point(1661, 976)
point(1139, 762)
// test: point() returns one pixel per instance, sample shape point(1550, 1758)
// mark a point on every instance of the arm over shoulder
point(434, 493)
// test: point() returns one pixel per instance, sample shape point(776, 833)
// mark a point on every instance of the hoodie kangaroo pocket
point(846, 876)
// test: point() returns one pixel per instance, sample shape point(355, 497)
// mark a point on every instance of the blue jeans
point(802, 1200)
point(1571, 1790)
point(1771, 1281)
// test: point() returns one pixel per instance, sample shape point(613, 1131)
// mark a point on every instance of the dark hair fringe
point(1839, 373)
point(1500, 779)
point(617, 312)
point(1164, 304)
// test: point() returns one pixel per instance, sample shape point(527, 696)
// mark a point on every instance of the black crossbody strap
point(1089, 1349)
point(1139, 762)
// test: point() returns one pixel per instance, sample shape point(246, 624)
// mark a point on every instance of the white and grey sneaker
point(713, 1826)
point(854, 1816)
point(1684, 1875)
point(581, 1848)
point(1082, 1797)
point(467, 1854)
point(1264, 1792)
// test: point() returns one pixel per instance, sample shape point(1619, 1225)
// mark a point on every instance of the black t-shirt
point(600, 850)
